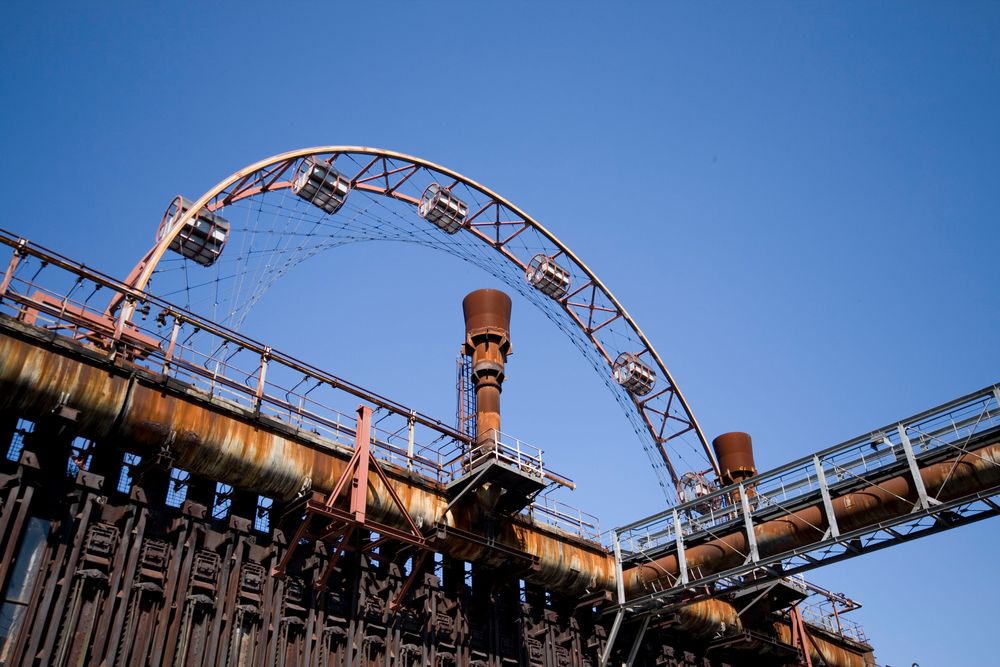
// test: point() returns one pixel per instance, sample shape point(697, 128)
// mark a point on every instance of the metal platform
point(505, 463)
point(770, 594)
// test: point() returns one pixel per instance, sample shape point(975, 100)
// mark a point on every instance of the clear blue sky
point(798, 202)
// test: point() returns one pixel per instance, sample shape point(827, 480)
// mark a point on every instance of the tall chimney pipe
point(487, 341)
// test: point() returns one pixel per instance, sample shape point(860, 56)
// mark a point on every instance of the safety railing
point(56, 294)
point(503, 448)
point(566, 517)
point(784, 521)
point(820, 614)
point(858, 462)
point(828, 610)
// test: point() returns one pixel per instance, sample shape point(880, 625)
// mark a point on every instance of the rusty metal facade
point(97, 572)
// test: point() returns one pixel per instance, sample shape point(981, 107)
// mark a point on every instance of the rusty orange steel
point(216, 440)
point(487, 341)
point(662, 411)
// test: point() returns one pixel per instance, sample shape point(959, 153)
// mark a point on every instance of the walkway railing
point(743, 514)
point(862, 461)
point(49, 291)
point(758, 528)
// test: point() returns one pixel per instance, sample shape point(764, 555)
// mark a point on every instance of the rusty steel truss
point(928, 473)
point(658, 408)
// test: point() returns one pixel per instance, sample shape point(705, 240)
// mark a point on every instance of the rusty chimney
point(487, 341)
point(734, 451)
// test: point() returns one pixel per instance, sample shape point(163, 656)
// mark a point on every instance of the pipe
point(734, 452)
point(219, 440)
point(228, 443)
point(487, 341)
point(712, 618)
point(222, 441)
point(947, 480)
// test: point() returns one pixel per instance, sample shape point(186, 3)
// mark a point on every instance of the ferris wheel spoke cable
point(495, 267)
point(279, 230)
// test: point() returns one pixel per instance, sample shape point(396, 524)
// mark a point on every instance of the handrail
point(28, 248)
point(933, 431)
point(238, 369)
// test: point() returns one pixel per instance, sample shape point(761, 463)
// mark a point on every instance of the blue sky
point(796, 201)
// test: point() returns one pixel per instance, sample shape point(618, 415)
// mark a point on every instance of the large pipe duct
point(824, 652)
point(40, 372)
point(219, 440)
point(946, 480)
point(487, 341)
point(222, 441)
point(707, 619)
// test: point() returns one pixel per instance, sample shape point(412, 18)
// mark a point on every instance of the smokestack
point(734, 452)
point(487, 341)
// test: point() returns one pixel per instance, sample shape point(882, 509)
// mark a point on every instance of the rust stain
point(824, 652)
point(36, 381)
point(207, 441)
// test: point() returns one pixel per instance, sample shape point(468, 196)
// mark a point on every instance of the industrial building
point(175, 492)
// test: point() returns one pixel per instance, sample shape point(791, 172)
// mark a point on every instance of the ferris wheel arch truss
point(496, 222)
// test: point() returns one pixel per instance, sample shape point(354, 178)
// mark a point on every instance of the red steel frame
point(591, 306)
point(340, 525)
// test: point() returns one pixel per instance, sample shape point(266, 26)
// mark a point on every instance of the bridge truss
point(931, 472)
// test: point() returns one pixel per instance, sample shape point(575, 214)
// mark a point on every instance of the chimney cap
point(734, 452)
point(487, 309)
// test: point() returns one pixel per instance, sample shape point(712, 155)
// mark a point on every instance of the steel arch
point(664, 412)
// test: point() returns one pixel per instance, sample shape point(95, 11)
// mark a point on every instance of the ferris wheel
point(219, 254)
